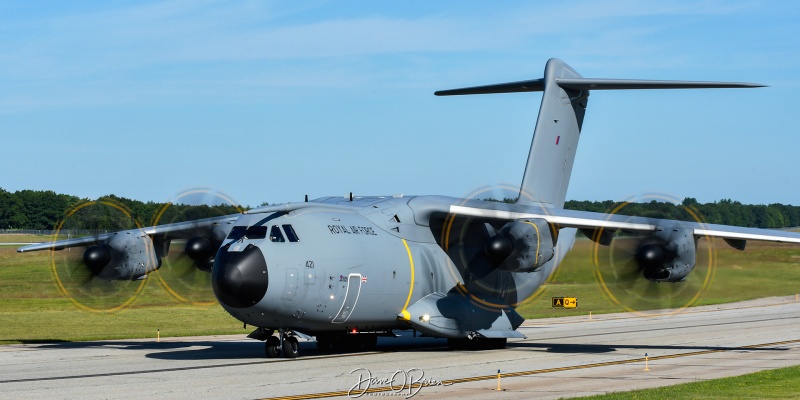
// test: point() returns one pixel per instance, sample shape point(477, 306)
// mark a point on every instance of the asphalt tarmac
point(561, 357)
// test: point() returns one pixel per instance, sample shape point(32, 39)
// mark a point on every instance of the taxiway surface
point(561, 357)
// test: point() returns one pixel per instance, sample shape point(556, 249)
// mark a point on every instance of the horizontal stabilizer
point(534, 85)
point(609, 84)
point(537, 85)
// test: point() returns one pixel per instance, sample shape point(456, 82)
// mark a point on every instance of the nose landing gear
point(273, 347)
point(285, 345)
point(291, 349)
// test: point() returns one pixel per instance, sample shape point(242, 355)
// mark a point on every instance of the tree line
point(47, 210)
point(725, 212)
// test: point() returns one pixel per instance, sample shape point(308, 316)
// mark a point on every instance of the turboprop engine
point(520, 246)
point(667, 256)
point(124, 256)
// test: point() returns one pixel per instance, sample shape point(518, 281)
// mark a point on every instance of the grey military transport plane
point(347, 270)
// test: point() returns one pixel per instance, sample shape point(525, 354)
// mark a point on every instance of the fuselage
point(343, 265)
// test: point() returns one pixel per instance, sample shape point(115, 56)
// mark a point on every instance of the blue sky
point(268, 101)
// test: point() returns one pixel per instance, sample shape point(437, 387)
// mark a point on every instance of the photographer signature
point(405, 383)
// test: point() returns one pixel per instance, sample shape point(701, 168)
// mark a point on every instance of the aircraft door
point(350, 298)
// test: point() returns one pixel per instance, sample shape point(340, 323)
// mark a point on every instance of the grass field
point(14, 238)
point(782, 383)
point(33, 308)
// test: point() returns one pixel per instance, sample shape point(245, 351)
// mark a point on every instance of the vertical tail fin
point(558, 127)
point(555, 139)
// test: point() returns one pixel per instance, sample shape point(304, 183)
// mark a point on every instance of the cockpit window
point(237, 232)
point(275, 234)
point(256, 232)
point(290, 233)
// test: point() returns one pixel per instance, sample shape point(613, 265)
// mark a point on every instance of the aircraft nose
point(240, 279)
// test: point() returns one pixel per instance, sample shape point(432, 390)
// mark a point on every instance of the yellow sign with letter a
point(565, 302)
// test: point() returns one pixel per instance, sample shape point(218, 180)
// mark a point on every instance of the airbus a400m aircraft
point(347, 270)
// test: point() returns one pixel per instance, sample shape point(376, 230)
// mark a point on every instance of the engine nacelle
point(126, 255)
point(201, 250)
point(668, 256)
point(521, 246)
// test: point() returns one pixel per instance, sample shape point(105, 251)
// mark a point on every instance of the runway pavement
point(561, 357)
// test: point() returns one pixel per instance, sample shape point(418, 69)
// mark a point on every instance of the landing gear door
point(350, 298)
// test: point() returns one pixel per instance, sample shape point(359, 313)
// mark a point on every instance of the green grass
point(782, 383)
point(20, 238)
point(32, 308)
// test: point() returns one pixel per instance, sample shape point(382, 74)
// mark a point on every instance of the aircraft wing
point(179, 230)
point(585, 220)
point(613, 222)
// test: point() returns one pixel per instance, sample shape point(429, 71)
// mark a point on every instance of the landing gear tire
point(273, 347)
point(291, 349)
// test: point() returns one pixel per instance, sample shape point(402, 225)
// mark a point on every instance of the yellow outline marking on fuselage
point(411, 287)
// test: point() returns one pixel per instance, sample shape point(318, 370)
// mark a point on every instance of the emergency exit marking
point(565, 302)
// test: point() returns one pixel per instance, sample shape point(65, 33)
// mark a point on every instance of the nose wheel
point(283, 345)
point(291, 349)
point(273, 347)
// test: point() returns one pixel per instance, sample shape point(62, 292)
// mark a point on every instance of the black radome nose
point(240, 279)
